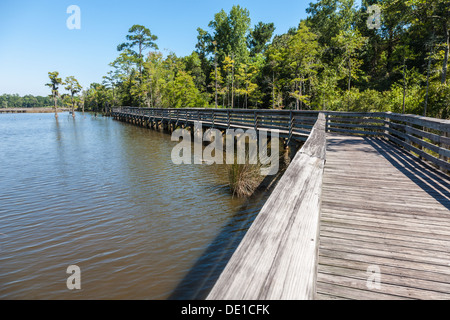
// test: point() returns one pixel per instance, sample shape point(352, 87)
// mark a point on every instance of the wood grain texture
point(376, 204)
point(382, 207)
point(277, 259)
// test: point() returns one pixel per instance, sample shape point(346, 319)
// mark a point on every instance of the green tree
point(259, 37)
point(435, 14)
point(182, 92)
point(140, 37)
point(246, 75)
point(54, 84)
point(350, 42)
point(301, 58)
point(73, 87)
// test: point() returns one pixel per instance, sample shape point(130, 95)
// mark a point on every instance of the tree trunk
point(428, 76)
point(349, 73)
point(73, 107)
point(444, 66)
point(232, 85)
point(404, 84)
point(56, 106)
point(428, 87)
point(273, 90)
point(246, 96)
point(215, 68)
point(299, 103)
point(140, 59)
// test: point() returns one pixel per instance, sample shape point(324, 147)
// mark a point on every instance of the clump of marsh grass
point(244, 179)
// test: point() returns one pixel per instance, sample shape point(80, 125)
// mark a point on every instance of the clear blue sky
point(34, 38)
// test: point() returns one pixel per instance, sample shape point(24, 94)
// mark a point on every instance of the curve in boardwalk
point(383, 210)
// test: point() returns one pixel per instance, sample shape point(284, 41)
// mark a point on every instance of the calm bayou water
point(105, 196)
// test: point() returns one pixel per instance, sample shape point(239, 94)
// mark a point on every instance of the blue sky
point(34, 38)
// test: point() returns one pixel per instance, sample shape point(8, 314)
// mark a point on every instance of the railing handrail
point(424, 136)
point(293, 276)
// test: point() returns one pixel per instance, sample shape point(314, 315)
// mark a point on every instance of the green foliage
point(259, 37)
point(74, 88)
point(54, 84)
point(27, 101)
point(330, 61)
point(439, 101)
point(140, 37)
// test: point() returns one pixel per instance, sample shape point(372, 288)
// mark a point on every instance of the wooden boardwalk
point(277, 258)
point(382, 210)
point(355, 216)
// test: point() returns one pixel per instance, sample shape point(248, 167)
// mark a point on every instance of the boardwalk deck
point(382, 208)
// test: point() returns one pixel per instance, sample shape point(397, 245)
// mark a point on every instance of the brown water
point(105, 196)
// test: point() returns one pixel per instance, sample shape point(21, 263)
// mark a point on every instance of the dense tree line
point(332, 60)
point(27, 101)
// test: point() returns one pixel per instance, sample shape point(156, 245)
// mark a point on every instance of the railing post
point(387, 125)
point(445, 146)
point(228, 120)
point(291, 126)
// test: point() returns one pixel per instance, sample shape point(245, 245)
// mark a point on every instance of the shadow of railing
point(429, 179)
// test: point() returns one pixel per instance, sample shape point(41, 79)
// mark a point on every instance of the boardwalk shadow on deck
point(429, 179)
point(337, 144)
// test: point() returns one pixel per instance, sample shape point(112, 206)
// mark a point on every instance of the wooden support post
point(387, 125)
point(291, 127)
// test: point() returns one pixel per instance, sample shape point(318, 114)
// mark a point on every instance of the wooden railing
point(427, 138)
point(291, 124)
point(277, 258)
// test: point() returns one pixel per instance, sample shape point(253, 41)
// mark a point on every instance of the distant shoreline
point(32, 110)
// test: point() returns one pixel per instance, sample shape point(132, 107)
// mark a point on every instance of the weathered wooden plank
point(324, 288)
point(379, 215)
point(320, 296)
point(385, 288)
point(441, 289)
point(277, 258)
point(437, 244)
point(377, 260)
point(392, 222)
point(388, 216)
point(386, 249)
point(373, 133)
point(333, 124)
point(403, 272)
